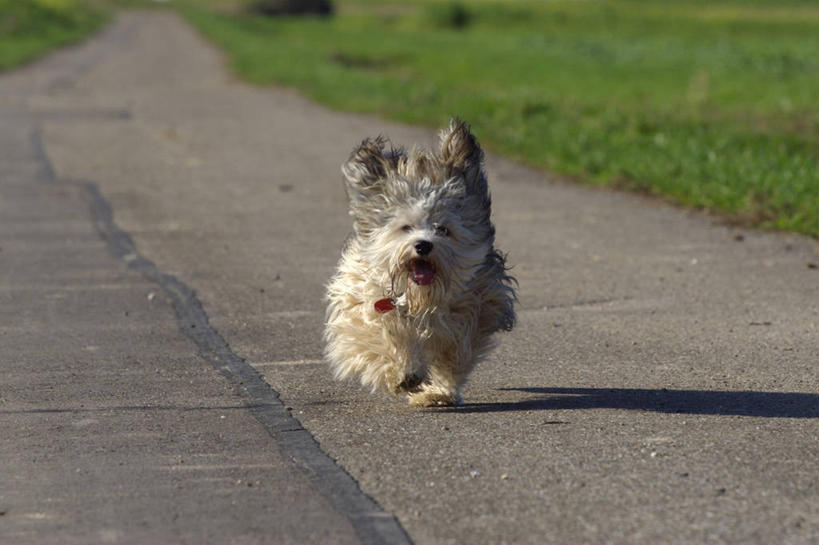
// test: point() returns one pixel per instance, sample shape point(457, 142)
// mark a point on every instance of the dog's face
point(421, 219)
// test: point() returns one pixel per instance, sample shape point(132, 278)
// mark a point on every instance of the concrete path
point(661, 386)
point(124, 417)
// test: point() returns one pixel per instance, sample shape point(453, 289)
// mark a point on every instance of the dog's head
point(421, 218)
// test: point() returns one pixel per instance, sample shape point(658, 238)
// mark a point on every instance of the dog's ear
point(365, 170)
point(462, 155)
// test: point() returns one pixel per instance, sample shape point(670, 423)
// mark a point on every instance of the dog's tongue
point(422, 272)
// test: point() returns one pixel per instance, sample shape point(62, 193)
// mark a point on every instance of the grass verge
point(29, 28)
point(710, 104)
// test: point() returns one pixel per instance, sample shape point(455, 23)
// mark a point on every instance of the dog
point(420, 287)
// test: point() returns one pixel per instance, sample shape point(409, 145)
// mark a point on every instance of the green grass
point(710, 104)
point(29, 28)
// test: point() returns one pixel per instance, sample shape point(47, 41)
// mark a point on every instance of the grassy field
point(710, 104)
point(29, 28)
point(707, 103)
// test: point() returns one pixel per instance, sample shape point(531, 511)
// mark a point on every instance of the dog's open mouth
point(422, 271)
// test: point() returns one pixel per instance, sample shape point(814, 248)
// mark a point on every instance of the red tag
point(384, 305)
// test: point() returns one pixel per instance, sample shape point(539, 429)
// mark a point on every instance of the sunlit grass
point(708, 104)
point(29, 28)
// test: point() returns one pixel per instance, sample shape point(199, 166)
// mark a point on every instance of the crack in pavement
point(372, 524)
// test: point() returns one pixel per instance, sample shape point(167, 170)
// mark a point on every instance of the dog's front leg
point(440, 389)
point(452, 360)
point(412, 368)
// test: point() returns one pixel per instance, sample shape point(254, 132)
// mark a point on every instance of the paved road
point(165, 234)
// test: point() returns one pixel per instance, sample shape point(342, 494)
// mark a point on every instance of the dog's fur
point(423, 249)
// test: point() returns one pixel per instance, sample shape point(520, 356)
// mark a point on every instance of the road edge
point(372, 524)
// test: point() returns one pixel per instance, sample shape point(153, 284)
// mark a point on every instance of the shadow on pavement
point(748, 403)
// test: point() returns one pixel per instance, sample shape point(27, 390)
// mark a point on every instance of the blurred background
point(711, 104)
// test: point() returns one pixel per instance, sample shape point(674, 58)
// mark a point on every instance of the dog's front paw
point(433, 398)
point(411, 383)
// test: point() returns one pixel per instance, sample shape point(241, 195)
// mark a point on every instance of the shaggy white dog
point(420, 287)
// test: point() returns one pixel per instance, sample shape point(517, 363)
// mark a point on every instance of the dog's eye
point(407, 228)
point(441, 231)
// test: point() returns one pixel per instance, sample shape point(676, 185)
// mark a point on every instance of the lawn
point(709, 104)
point(29, 28)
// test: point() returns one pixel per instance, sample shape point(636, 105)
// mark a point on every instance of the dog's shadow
point(705, 402)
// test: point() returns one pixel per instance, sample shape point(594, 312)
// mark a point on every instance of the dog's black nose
point(423, 247)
